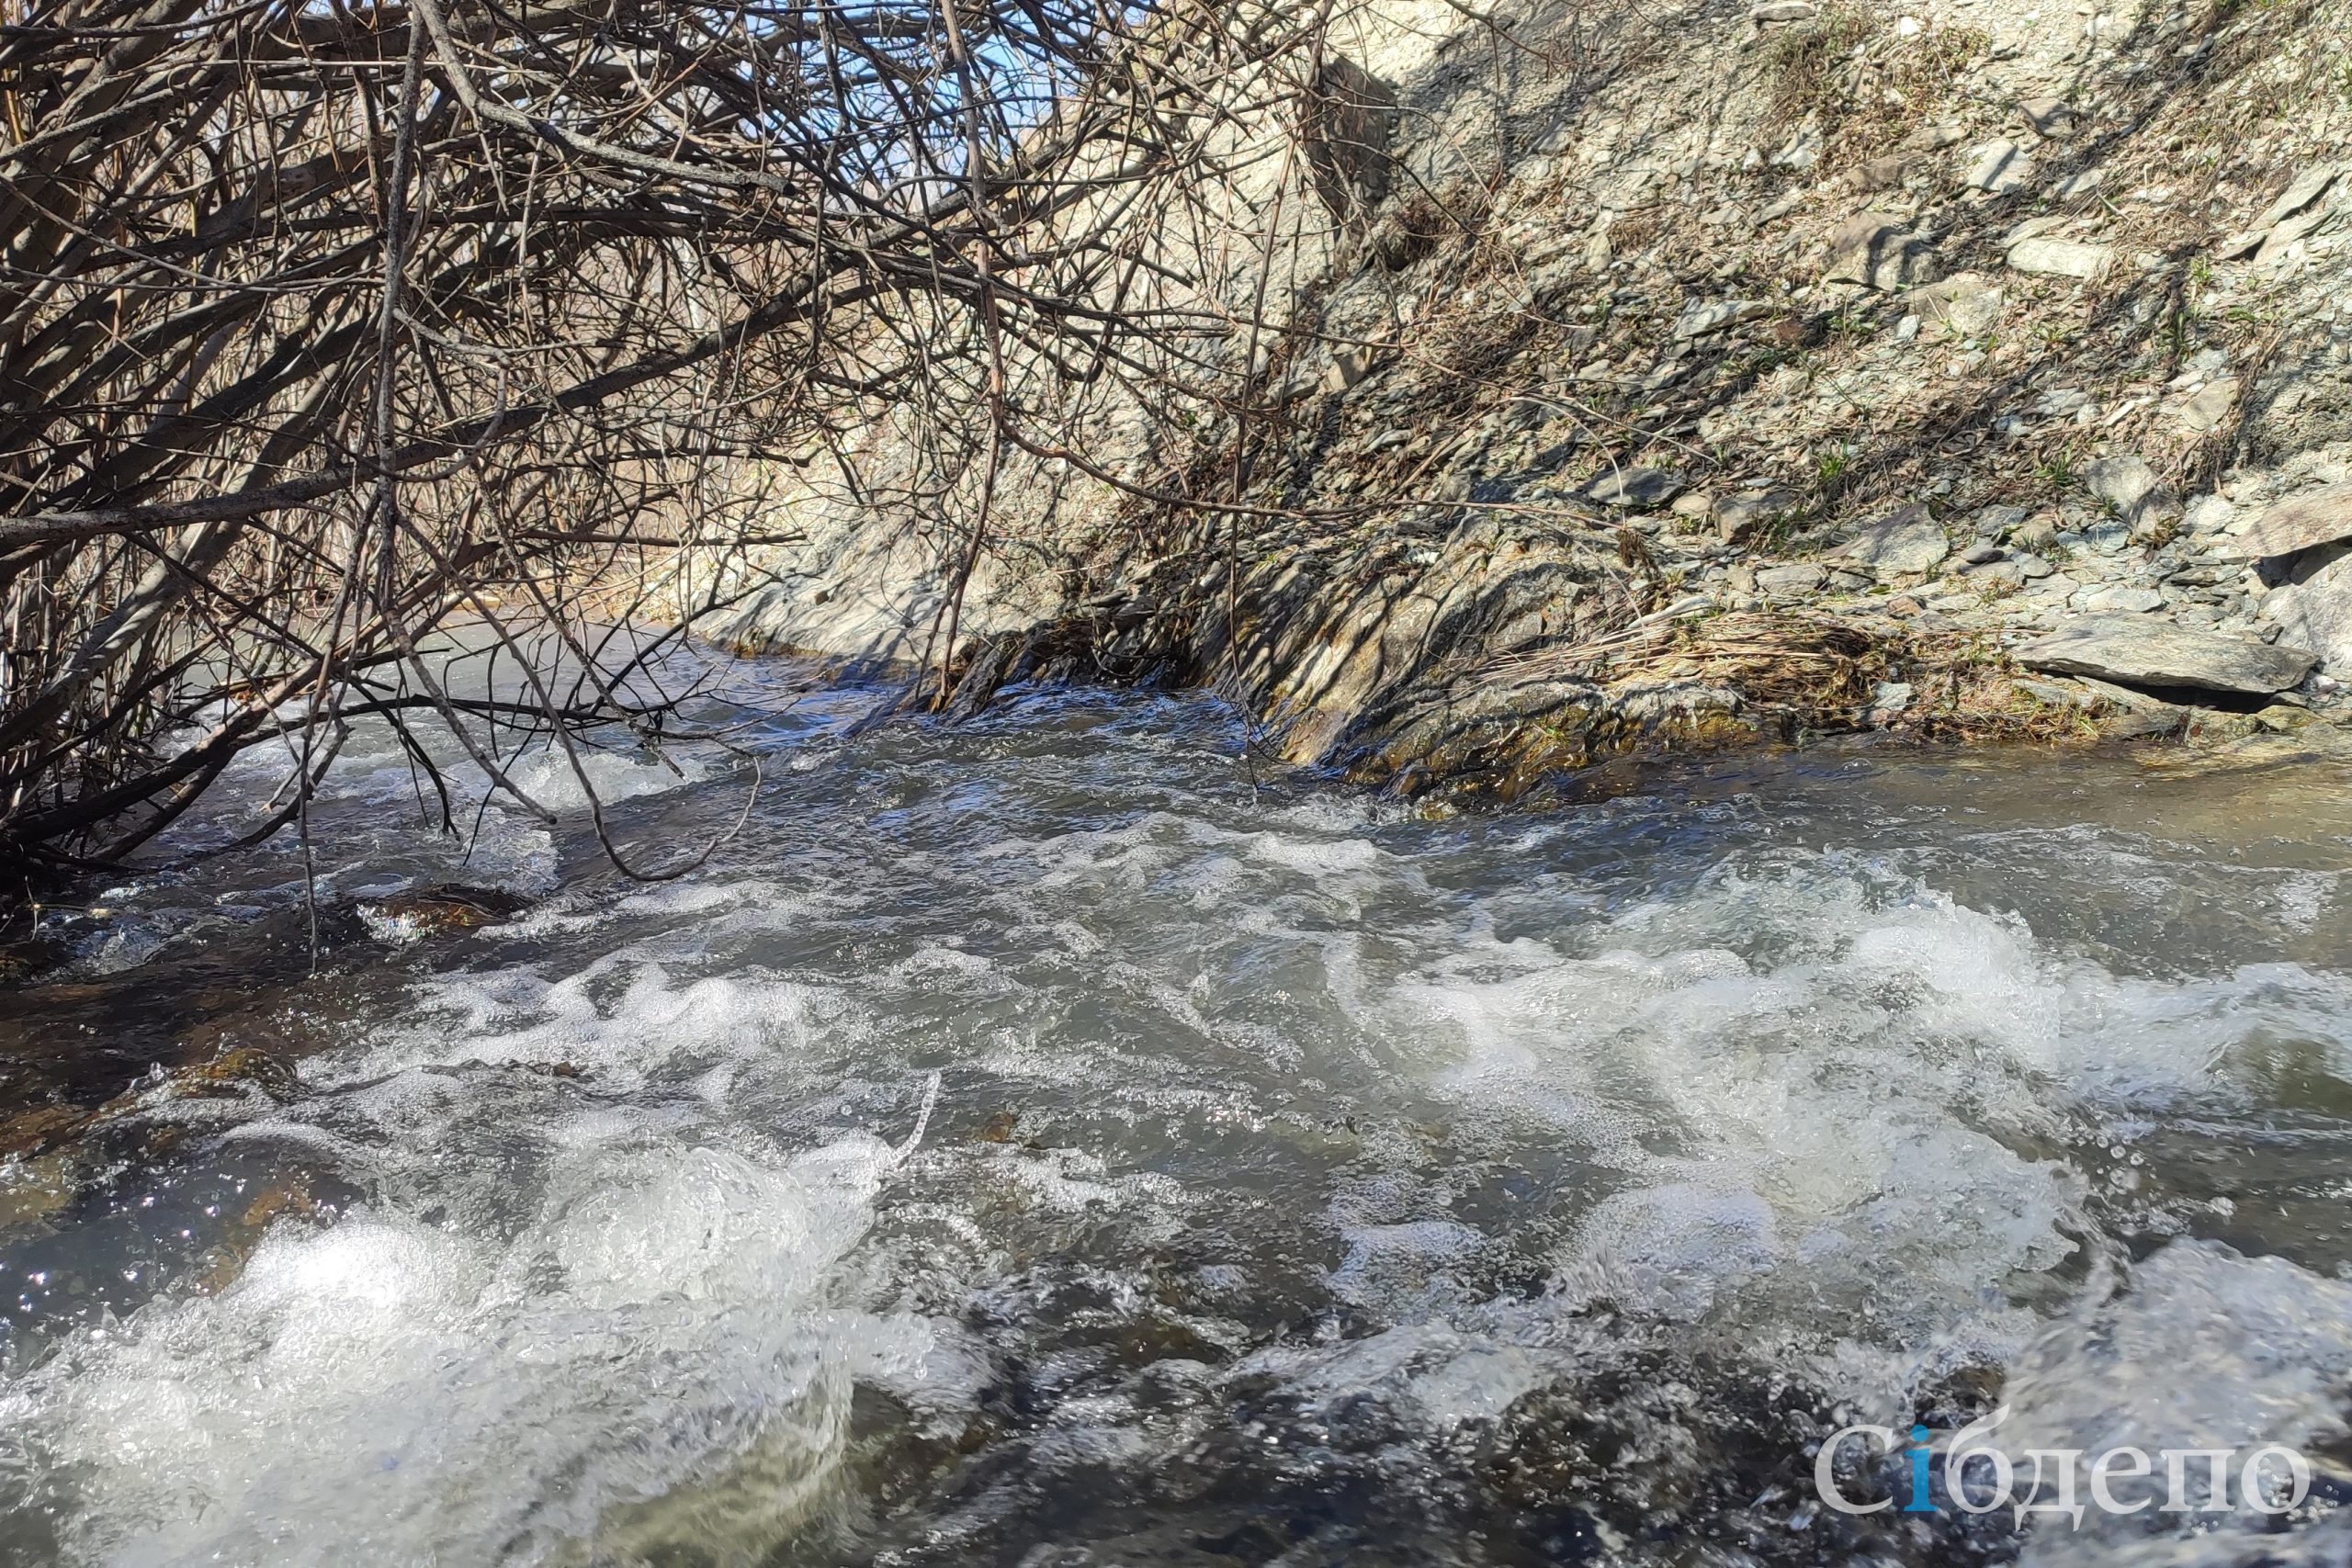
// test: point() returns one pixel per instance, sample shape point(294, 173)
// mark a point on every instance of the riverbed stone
point(2061, 258)
point(1905, 542)
point(2119, 600)
point(1790, 581)
point(1638, 489)
point(2313, 607)
point(2139, 650)
point(2300, 523)
point(2132, 489)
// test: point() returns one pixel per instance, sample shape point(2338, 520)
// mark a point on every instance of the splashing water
point(1042, 1142)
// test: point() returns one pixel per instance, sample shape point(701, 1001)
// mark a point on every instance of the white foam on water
point(385, 1392)
point(562, 782)
point(2198, 1349)
point(1816, 1089)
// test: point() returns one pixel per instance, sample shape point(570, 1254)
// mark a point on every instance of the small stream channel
point(1052, 1141)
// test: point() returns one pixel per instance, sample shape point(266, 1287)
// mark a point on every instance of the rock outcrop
point(1981, 340)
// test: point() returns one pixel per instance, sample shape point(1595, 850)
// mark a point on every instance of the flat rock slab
point(1964, 302)
point(1787, 582)
point(2298, 522)
point(2060, 258)
point(2136, 652)
point(1906, 541)
point(1637, 488)
point(1699, 319)
point(1876, 252)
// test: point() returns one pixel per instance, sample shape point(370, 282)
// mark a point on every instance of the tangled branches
point(332, 332)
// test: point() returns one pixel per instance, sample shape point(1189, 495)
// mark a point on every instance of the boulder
point(2300, 523)
point(2060, 258)
point(2313, 606)
point(2139, 650)
point(1905, 542)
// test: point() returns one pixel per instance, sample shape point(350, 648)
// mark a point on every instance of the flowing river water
point(1052, 1141)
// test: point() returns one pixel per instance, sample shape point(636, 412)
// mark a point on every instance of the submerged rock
point(433, 910)
point(2140, 651)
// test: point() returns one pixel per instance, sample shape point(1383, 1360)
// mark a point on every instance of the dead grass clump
point(1861, 86)
point(1809, 64)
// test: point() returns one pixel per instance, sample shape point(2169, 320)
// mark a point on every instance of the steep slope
point(1705, 371)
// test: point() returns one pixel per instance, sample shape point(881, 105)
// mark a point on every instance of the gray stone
point(1998, 168)
point(1782, 11)
point(2300, 523)
point(1740, 518)
point(2031, 567)
point(1700, 319)
point(1996, 522)
point(2123, 601)
point(1890, 698)
point(1842, 580)
point(1905, 542)
point(2107, 536)
point(2131, 489)
point(2002, 576)
point(1639, 488)
point(1981, 554)
point(1964, 304)
point(2313, 607)
point(2140, 651)
point(2205, 410)
point(1791, 581)
point(2049, 117)
point(1877, 253)
point(2301, 192)
point(2061, 258)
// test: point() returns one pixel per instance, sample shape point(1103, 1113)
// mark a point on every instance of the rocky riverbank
point(1721, 372)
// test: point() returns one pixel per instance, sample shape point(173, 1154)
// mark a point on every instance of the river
point(1058, 1139)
